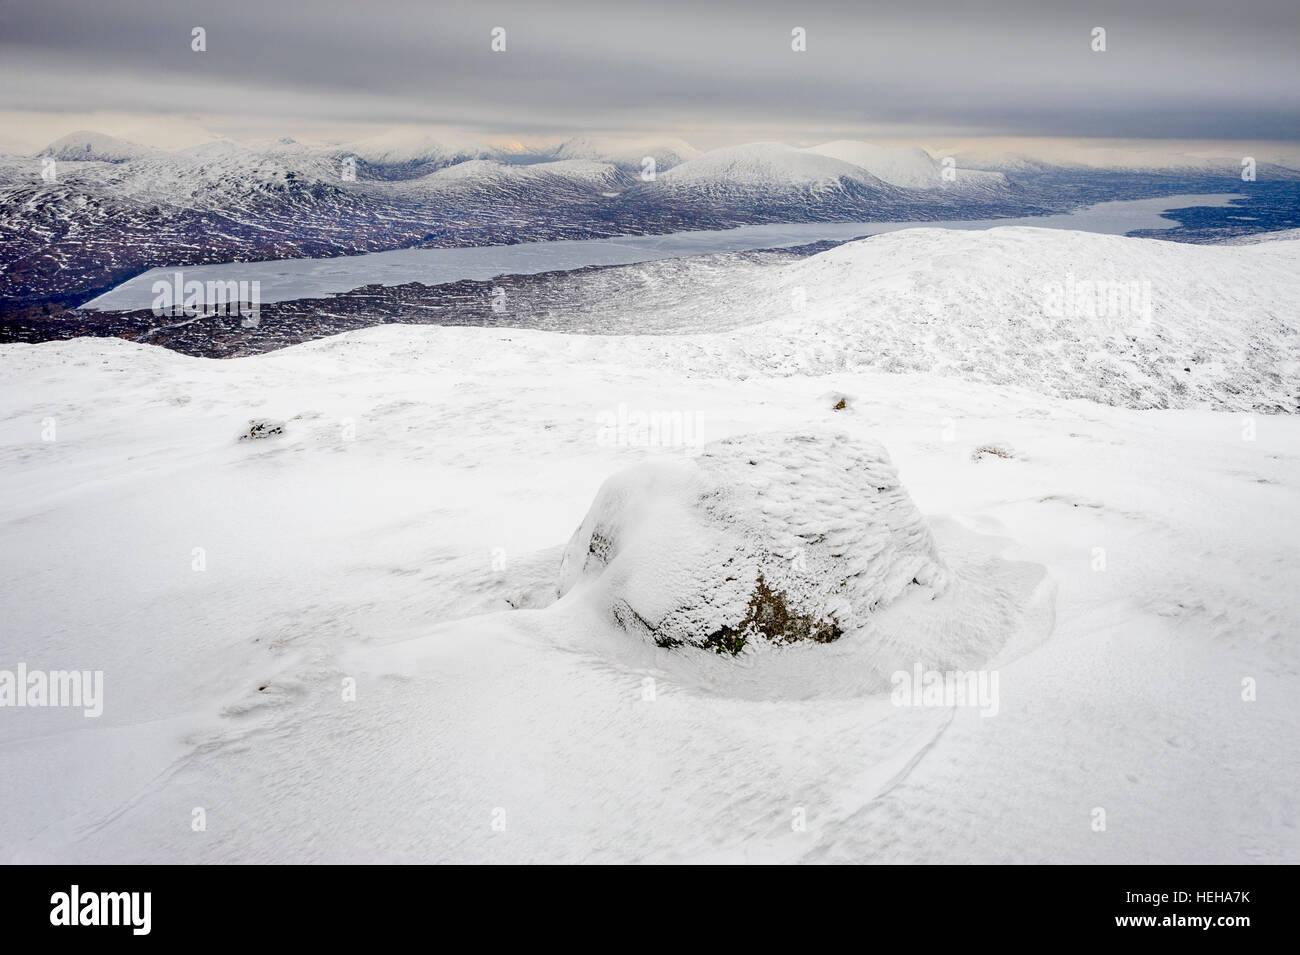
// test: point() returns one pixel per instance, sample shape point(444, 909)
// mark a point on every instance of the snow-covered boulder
point(777, 537)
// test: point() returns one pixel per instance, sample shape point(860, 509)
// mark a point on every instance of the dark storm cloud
point(1173, 68)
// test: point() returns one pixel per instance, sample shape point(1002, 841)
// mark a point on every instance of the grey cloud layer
point(1176, 68)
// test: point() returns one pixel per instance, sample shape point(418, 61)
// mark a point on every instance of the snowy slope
point(424, 485)
point(1134, 322)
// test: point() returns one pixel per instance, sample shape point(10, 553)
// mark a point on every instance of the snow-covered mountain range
point(107, 209)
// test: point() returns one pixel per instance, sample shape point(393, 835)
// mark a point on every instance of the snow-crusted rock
point(785, 537)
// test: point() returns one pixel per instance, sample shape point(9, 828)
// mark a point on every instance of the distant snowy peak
point(631, 154)
point(908, 167)
point(488, 174)
point(772, 166)
point(85, 145)
point(1272, 164)
point(222, 176)
point(400, 149)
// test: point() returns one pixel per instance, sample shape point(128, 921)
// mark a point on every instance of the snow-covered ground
point(1127, 574)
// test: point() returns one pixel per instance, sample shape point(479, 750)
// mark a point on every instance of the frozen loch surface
point(285, 279)
point(343, 638)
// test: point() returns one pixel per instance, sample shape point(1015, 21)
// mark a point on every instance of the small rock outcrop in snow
point(259, 428)
point(776, 537)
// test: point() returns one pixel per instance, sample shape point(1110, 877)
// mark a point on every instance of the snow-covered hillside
point(1135, 322)
point(227, 177)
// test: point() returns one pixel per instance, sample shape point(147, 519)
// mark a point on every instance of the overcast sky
point(709, 72)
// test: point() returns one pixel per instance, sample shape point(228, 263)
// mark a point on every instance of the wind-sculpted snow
point(774, 538)
point(402, 533)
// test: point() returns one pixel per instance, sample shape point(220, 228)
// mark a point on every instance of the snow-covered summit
point(222, 175)
point(768, 166)
point(99, 147)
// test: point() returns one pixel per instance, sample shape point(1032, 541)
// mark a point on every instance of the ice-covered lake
point(287, 279)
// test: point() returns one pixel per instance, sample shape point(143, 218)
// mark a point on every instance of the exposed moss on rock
point(600, 547)
point(769, 616)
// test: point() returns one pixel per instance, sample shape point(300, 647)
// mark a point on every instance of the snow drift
point(785, 537)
